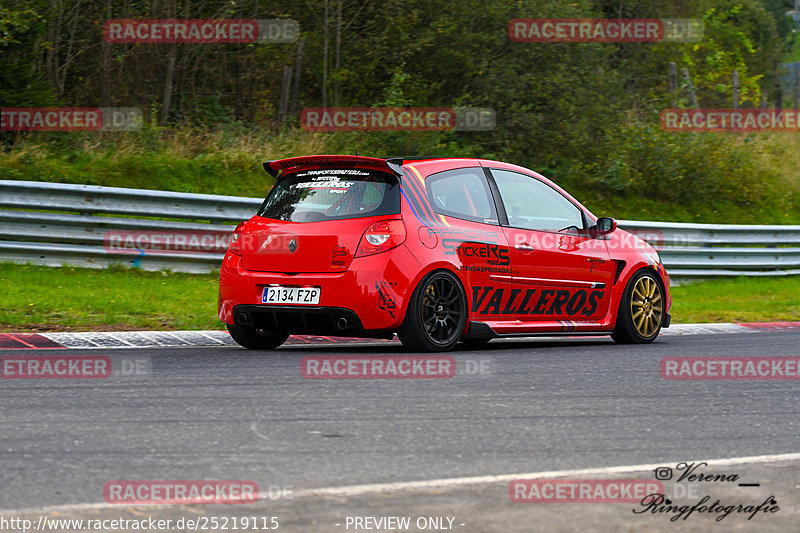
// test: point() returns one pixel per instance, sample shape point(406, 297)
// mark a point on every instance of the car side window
point(462, 193)
point(534, 205)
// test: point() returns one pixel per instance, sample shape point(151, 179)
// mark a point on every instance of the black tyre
point(641, 310)
point(252, 339)
point(436, 314)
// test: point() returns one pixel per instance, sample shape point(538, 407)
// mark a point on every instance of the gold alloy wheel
point(647, 306)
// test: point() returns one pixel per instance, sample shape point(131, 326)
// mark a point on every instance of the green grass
point(46, 299)
point(50, 299)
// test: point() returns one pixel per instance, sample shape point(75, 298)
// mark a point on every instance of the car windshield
point(332, 194)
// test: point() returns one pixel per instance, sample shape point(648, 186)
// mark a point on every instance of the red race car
point(437, 251)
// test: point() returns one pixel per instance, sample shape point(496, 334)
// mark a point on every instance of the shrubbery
point(646, 173)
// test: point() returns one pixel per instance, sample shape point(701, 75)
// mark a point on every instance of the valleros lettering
point(493, 301)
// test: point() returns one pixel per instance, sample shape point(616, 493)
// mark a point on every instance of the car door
point(471, 238)
point(560, 270)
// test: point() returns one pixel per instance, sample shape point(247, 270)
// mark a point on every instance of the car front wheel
point(641, 311)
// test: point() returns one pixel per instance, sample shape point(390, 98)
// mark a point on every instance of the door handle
point(525, 247)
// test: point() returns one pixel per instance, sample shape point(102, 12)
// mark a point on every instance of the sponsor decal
point(385, 301)
point(311, 162)
point(493, 301)
point(493, 253)
point(594, 261)
point(332, 183)
point(328, 173)
point(571, 244)
point(572, 325)
point(486, 269)
point(338, 252)
point(465, 235)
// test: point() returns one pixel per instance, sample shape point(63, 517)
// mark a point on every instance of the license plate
point(291, 295)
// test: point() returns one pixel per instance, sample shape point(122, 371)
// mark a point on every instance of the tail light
point(235, 246)
point(381, 236)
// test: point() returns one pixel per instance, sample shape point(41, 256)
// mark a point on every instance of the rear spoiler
point(279, 167)
point(396, 163)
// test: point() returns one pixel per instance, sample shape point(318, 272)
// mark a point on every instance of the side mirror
point(605, 225)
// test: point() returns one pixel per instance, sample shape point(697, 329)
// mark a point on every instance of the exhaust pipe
point(341, 323)
point(243, 318)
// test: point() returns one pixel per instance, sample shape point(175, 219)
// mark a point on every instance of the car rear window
point(332, 194)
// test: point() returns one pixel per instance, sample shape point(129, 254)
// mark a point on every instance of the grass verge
point(40, 298)
point(49, 299)
point(744, 299)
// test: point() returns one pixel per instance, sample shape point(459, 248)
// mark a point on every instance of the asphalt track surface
point(512, 407)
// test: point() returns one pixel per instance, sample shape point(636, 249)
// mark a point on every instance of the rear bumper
point(306, 320)
point(370, 296)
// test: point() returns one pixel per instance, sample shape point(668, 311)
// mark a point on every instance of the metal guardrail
point(93, 199)
point(55, 224)
point(709, 250)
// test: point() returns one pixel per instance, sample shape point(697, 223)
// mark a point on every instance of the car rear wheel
point(255, 340)
point(641, 311)
point(436, 314)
